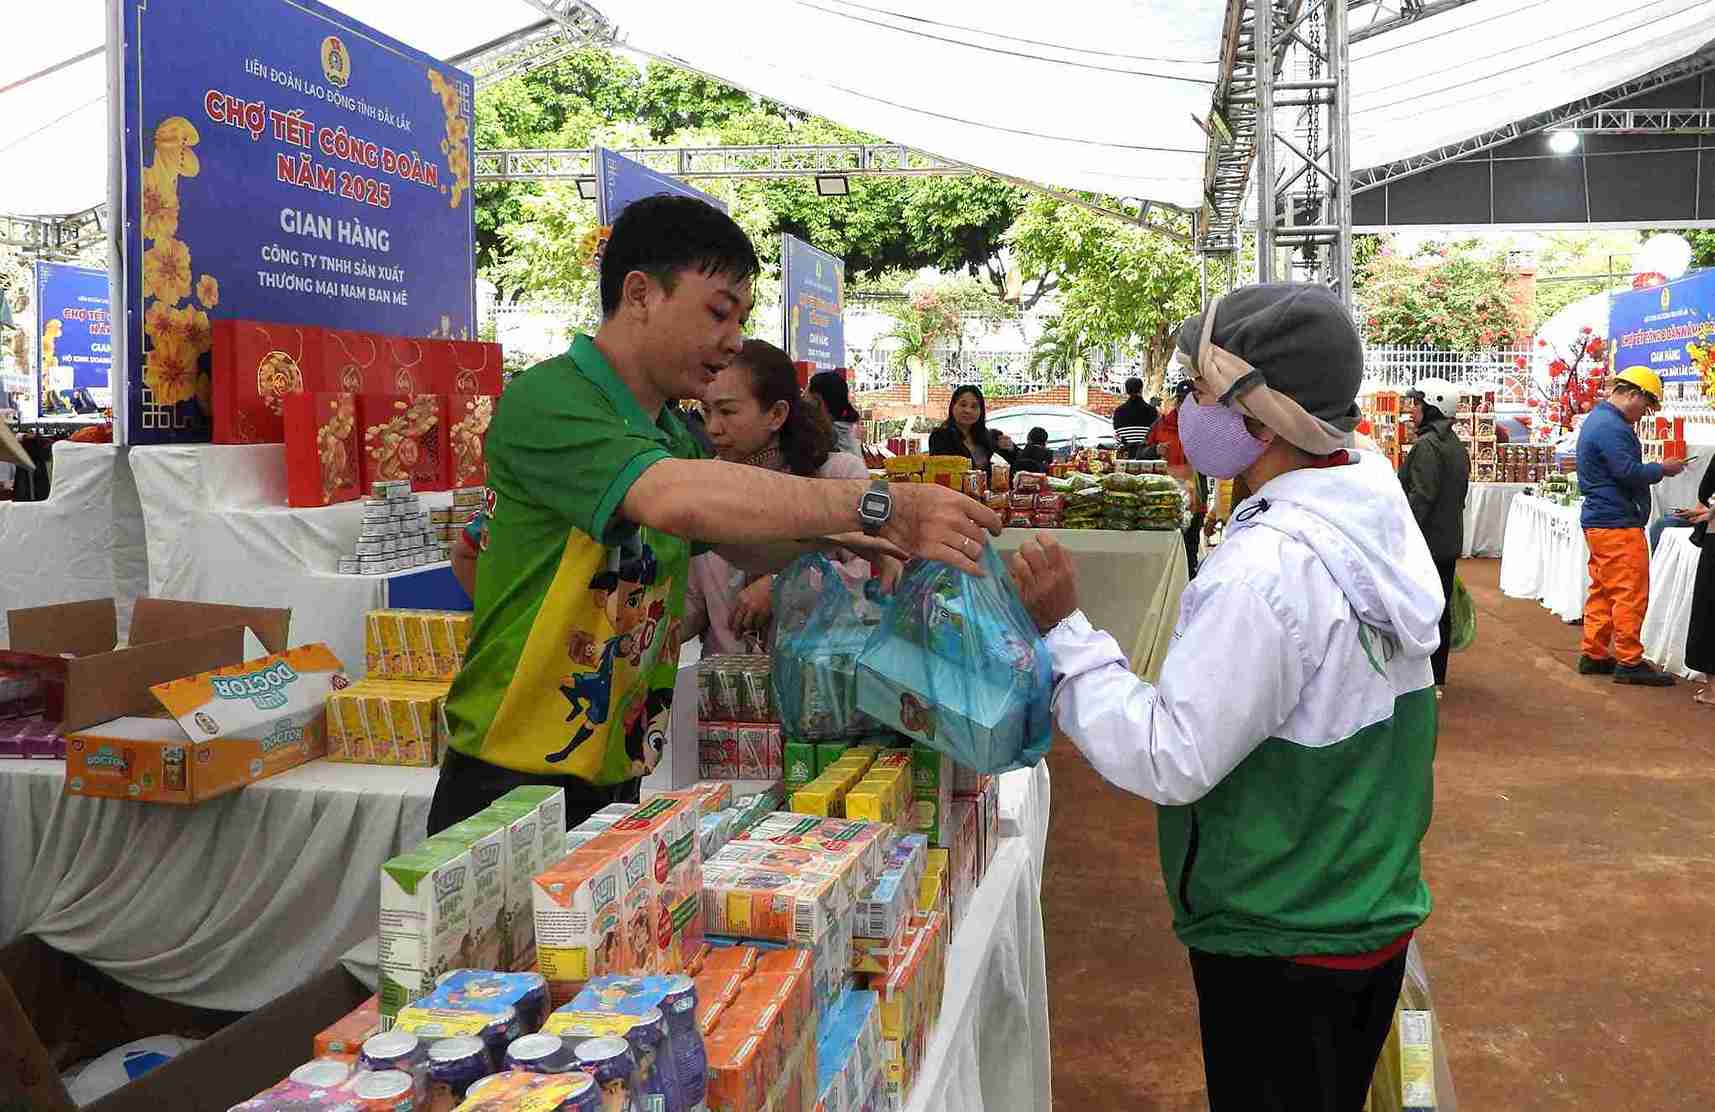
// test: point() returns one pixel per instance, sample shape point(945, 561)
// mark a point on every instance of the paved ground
point(1572, 859)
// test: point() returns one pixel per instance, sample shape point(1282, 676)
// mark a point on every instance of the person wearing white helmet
point(1436, 476)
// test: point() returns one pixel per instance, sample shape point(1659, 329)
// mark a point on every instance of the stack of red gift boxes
point(1662, 438)
point(354, 408)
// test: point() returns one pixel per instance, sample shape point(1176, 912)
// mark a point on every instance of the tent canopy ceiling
point(1099, 95)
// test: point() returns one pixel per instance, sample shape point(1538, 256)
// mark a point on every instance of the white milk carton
point(425, 927)
point(523, 862)
point(486, 836)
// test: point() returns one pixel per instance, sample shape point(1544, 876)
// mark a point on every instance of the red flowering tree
point(1576, 378)
point(1453, 297)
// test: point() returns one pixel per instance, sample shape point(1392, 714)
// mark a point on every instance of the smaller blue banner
point(813, 297)
point(74, 329)
point(620, 181)
point(1668, 329)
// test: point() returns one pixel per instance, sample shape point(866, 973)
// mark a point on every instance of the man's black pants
point(1438, 659)
point(468, 785)
point(1279, 1036)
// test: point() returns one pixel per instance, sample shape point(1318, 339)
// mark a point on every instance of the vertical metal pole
point(1262, 35)
point(1340, 138)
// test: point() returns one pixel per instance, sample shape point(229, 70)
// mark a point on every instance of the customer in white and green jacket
point(1290, 741)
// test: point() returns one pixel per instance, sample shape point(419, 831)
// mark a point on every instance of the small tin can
point(585, 1095)
point(455, 1065)
point(541, 1054)
point(323, 1073)
point(392, 1050)
point(657, 1077)
point(384, 1091)
point(611, 1063)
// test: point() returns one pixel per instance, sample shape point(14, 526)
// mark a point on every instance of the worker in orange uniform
point(1615, 482)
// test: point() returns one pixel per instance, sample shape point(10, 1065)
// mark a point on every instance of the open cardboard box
point(56, 1010)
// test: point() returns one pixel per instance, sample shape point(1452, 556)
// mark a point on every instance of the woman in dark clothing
point(966, 432)
point(1700, 634)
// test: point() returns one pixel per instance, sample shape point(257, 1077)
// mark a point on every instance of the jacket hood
point(1355, 518)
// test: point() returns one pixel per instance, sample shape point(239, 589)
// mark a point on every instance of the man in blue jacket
point(1616, 483)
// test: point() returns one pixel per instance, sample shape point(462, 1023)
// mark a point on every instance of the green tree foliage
point(594, 96)
point(1118, 285)
point(1457, 297)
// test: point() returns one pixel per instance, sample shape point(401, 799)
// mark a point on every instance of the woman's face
point(737, 424)
point(967, 411)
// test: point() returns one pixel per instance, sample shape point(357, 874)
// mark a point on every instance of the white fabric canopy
point(1096, 95)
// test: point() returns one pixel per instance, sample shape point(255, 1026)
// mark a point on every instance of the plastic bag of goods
point(1412, 1074)
point(1464, 617)
point(958, 666)
point(822, 619)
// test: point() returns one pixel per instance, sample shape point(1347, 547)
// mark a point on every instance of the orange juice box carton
point(579, 910)
point(764, 904)
point(425, 928)
point(345, 1037)
point(737, 1079)
point(227, 728)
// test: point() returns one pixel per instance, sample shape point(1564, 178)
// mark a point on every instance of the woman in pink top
point(756, 415)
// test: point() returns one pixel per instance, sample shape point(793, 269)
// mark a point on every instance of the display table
point(1672, 577)
point(1544, 556)
point(1486, 507)
point(990, 1049)
point(219, 530)
point(1024, 802)
point(1677, 491)
point(84, 542)
point(1128, 585)
point(226, 904)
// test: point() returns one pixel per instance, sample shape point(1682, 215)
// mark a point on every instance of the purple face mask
point(1215, 439)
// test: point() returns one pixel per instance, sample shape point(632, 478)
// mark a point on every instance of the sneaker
point(1590, 666)
point(1642, 675)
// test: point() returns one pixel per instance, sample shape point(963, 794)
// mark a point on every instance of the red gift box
point(404, 437)
point(466, 367)
point(352, 363)
point(256, 365)
point(404, 366)
point(468, 416)
point(322, 449)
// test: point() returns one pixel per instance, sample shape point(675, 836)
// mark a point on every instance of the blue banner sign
point(282, 162)
point(620, 181)
point(74, 333)
point(1668, 329)
point(813, 297)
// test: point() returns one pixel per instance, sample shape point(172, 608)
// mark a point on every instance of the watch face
point(875, 504)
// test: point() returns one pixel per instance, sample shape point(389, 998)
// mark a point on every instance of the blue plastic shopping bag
point(823, 618)
point(957, 665)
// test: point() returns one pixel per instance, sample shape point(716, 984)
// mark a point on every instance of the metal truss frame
point(1376, 176)
point(55, 236)
point(570, 25)
point(843, 160)
point(1388, 15)
point(1643, 121)
point(1281, 104)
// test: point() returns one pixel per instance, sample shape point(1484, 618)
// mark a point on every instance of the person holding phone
point(1700, 628)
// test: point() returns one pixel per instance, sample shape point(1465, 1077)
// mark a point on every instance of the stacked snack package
point(1086, 503)
point(738, 725)
point(849, 1075)
point(388, 722)
point(909, 1001)
point(459, 895)
point(885, 907)
point(396, 534)
point(639, 1036)
point(628, 900)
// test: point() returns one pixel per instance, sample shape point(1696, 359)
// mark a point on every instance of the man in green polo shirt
point(598, 495)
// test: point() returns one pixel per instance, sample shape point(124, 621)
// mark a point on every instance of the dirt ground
point(1572, 862)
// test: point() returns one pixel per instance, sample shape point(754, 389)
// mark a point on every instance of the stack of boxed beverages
point(738, 724)
point(759, 1027)
point(25, 729)
point(393, 716)
point(395, 535)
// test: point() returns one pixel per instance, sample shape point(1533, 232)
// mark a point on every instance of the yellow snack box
point(384, 746)
point(818, 798)
point(395, 653)
point(445, 653)
point(421, 657)
point(873, 802)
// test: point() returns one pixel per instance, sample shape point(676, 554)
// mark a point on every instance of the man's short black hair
point(1134, 386)
point(1037, 435)
point(665, 234)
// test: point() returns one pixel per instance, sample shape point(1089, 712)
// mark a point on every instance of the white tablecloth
point(1544, 556)
point(1128, 585)
point(219, 530)
point(226, 904)
point(84, 542)
point(1486, 507)
point(1024, 803)
point(1672, 576)
point(1675, 491)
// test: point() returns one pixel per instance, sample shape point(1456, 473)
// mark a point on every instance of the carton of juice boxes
point(909, 1001)
point(389, 722)
point(453, 899)
point(422, 645)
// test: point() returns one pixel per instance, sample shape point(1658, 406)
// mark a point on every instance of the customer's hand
point(1047, 581)
point(1696, 515)
point(1672, 466)
point(934, 522)
point(755, 606)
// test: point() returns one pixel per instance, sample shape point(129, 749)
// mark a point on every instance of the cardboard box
point(404, 437)
point(256, 366)
point(322, 449)
point(229, 727)
point(91, 680)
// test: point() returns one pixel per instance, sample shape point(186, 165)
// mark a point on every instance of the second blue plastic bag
point(957, 664)
point(822, 621)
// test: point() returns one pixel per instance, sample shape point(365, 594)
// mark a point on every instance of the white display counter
point(1672, 578)
point(1544, 556)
